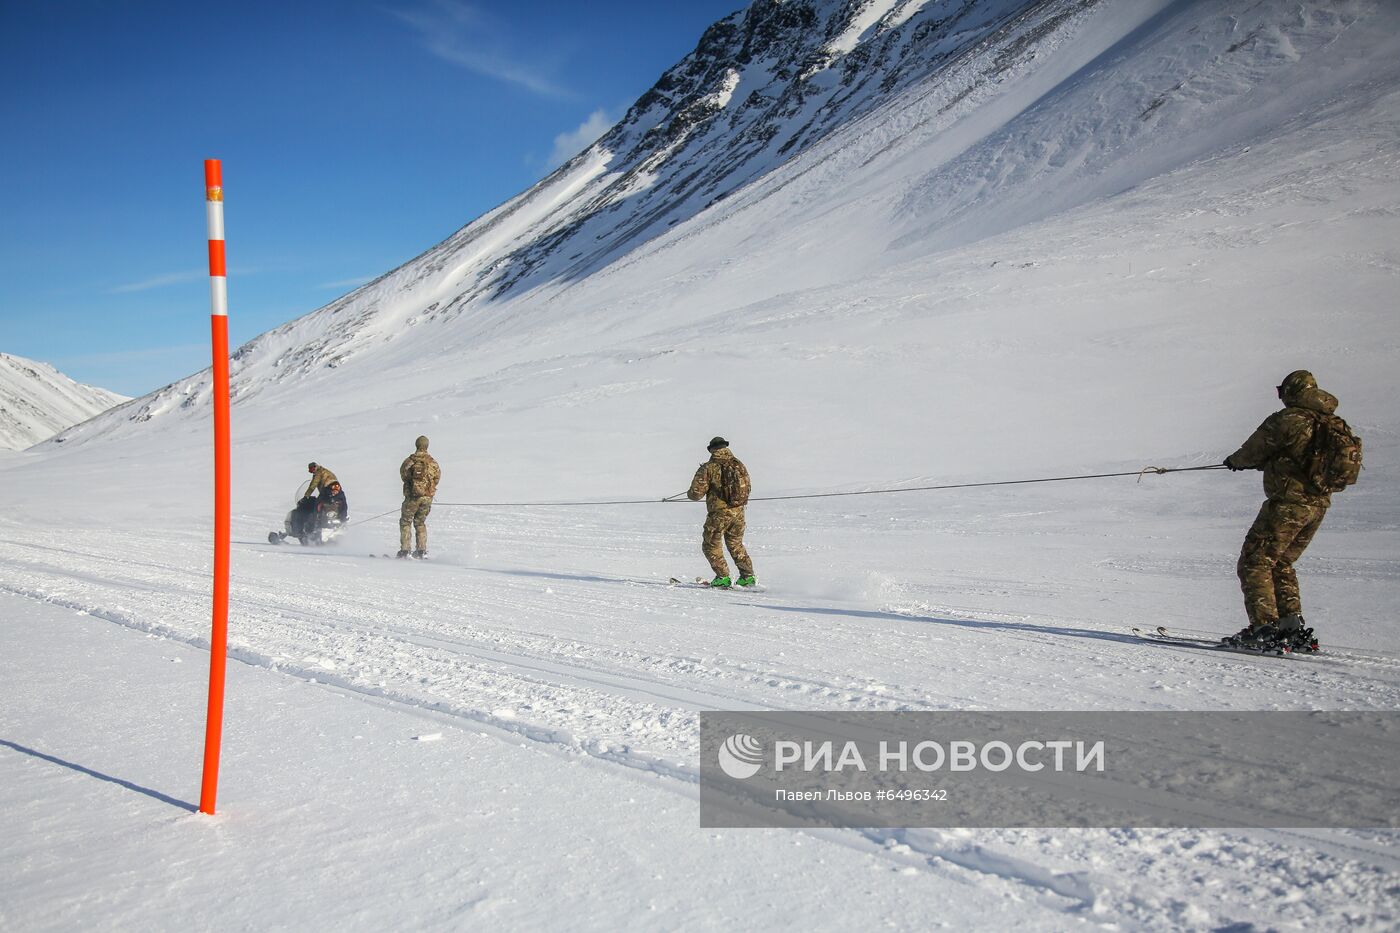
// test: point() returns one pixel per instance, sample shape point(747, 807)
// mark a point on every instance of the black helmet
point(716, 443)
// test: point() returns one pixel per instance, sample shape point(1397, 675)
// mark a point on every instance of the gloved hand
point(1234, 469)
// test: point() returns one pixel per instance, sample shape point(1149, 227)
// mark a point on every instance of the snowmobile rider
point(319, 486)
point(321, 478)
point(420, 474)
point(724, 483)
point(1290, 515)
point(333, 500)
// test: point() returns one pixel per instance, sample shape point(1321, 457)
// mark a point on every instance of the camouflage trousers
point(1277, 538)
point(725, 527)
point(414, 515)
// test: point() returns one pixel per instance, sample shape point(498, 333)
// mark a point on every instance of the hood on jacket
point(1315, 399)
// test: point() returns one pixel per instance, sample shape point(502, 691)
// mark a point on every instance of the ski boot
point(276, 537)
point(1295, 634)
point(746, 580)
point(1258, 637)
point(721, 582)
point(419, 554)
point(401, 555)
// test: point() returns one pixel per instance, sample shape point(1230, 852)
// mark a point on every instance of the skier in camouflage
point(1290, 516)
point(420, 474)
point(723, 482)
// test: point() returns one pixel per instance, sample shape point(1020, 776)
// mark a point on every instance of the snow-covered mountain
point(37, 401)
point(817, 143)
point(1071, 233)
point(762, 86)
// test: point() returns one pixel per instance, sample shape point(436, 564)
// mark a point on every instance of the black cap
point(716, 443)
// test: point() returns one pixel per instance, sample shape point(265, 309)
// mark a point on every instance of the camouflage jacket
point(1279, 447)
point(321, 479)
point(432, 474)
point(706, 483)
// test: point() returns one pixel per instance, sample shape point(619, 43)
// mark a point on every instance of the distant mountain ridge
point(37, 401)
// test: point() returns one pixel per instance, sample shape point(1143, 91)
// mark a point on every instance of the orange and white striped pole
point(218, 328)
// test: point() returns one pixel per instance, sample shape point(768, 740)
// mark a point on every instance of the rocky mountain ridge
point(761, 87)
point(37, 401)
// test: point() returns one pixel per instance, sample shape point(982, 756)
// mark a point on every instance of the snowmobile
point(312, 521)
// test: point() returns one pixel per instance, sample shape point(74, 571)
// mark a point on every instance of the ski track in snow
point(616, 668)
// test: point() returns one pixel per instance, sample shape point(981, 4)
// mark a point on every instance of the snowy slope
point(762, 86)
point(1007, 241)
point(963, 122)
point(37, 401)
point(1174, 203)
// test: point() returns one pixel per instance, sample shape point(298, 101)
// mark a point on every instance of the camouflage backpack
point(1332, 461)
point(418, 480)
point(733, 483)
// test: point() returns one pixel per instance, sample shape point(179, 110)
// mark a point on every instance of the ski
point(702, 583)
point(1302, 642)
point(1162, 636)
point(698, 582)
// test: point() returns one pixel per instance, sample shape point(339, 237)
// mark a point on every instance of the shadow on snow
point(163, 798)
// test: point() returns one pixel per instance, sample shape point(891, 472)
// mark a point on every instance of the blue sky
point(354, 135)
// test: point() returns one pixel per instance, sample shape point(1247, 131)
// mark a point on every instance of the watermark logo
point(741, 756)
point(1148, 769)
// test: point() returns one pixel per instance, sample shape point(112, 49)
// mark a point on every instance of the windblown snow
point(984, 242)
point(37, 401)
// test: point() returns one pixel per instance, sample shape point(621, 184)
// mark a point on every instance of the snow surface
point(1092, 240)
point(37, 401)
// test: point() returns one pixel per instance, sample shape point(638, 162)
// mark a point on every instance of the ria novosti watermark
point(927, 756)
point(1050, 769)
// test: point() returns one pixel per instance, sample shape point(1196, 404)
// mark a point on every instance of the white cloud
point(567, 145)
point(463, 35)
point(158, 281)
